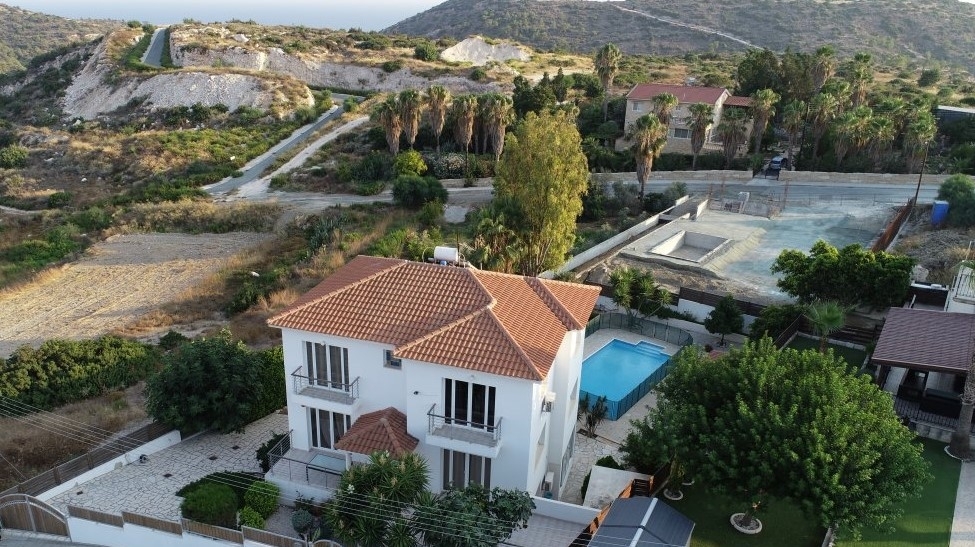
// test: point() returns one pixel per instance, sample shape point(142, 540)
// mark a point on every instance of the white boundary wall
point(564, 511)
point(132, 456)
point(86, 531)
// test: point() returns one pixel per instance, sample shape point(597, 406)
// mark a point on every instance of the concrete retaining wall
point(677, 176)
point(858, 178)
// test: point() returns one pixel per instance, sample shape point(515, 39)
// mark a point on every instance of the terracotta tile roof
point(496, 323)
point(684, 93)
point(926, 339)
point(736, 100)
point(377, 431)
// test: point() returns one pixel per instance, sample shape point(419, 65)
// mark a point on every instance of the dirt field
point(116, 282)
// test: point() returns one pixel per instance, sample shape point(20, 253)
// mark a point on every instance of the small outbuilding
point(643, 522)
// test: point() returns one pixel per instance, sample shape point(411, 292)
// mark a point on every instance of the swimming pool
point(623, 373)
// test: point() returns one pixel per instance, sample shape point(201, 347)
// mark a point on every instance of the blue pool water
point(623, 373)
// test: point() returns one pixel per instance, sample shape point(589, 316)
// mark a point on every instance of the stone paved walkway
point(963, 524)
point(150, 488)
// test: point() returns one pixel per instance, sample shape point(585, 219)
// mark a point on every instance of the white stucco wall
point(85, 531)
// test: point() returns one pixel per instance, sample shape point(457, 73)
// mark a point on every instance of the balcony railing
point(463, 430)
point(325, 389)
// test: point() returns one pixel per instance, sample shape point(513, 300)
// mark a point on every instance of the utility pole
point(920, 175)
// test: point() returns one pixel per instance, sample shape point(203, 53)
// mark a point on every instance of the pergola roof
point(930, 340)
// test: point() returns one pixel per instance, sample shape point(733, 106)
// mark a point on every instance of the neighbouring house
point(949, 114)
point(639, 102)
point(477, 371)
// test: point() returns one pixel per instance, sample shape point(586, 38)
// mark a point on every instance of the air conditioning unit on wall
point(548, 402)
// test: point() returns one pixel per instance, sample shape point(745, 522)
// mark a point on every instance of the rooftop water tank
point(448, 255)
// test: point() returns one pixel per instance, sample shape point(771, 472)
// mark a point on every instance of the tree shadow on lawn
point(782, 522)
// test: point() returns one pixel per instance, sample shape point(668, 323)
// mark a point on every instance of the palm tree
point(649, 136)
point(882, 131)
point(499, 112)
point(839, 89)
point(861, 74)
point(663, 105)
point(763, 108)
point(387, 113)
point(827, 317)
point(919, 133)
point(732, 132)
point(438, 101)
point(852, 131)
point(465, 110)
point(793, 120)
point(700, 119)
point(824, 63)
point(607, 65)
point(410, 108)
point(823, 109)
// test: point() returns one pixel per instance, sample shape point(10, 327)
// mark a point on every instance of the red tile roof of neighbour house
point(736, 100)
point(502, 324)
point(926, 340)
point(382, 430)
point(684, 93)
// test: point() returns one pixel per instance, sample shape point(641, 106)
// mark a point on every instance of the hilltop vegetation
point(26, 34)
point(911, 29)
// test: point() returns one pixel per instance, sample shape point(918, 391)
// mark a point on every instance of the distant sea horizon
point(335, 14)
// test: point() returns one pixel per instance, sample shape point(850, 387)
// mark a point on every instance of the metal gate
point(23, 512)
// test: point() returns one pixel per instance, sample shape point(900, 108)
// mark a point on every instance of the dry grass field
point(118, 281)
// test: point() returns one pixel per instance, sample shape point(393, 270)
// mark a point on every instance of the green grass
point(852, 356)
point(782, 522)
point(927, 519)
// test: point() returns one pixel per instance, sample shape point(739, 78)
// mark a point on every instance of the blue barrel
point(939, 213)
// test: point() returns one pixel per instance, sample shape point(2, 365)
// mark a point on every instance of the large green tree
point(438, 103)
point(793, 121)
point(216, 383)
point(410, 110)
point(851, 276)
point(763, 109)
point(762, 424)
point(542, 175)
point(387, 114)
point(733, 132)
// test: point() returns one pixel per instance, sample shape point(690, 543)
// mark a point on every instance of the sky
point(335, 14)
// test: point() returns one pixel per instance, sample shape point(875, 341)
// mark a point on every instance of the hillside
point(26, 34)
point(914, 29)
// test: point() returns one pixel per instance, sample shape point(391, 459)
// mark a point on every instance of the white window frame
point(327, 366)
point(687, 133)
point(469, 468)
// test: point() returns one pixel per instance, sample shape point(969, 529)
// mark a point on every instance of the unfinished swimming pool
point(623, 373)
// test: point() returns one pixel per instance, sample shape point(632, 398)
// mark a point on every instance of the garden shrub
point(431, 213)
point(478, 74)
point(370, 188)
point(211, 503)
point(414, 191)
point(58, 200)
point(426, 51)
point(409, 162)
point(302, 521)
point(264, 451)
point(13, 157)
point(392, 66)
point(250, 518)
point(237, 481)
point(171, 340)
point(262, 496)
point(91, 219)
point(773, 320)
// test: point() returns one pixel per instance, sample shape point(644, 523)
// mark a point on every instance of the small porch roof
point(382, 430)
point(643, 522)
point(929, 340)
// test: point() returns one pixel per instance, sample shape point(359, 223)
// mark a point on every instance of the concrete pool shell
point(753, 243)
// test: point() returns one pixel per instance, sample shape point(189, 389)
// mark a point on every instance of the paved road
point(813, 191)
point(153, 54)
point(253, 169)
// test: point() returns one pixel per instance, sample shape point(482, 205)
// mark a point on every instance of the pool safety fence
point(642, 326)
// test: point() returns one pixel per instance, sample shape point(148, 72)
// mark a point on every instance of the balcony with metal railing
point(319, 388)
point(468, 436)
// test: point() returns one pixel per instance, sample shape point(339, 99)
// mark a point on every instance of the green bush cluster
point(133, 57)
point(251, 518)
point(414, 191)
point(211, 503)
point(58, 200)
point(426, 51)
point(959, 192)
point(262, 496)
point(13, 157)
point(407, 243)
point(34, 254)
point(392, 66)
point(65, 371)
point(251, 289)
point(773, 320)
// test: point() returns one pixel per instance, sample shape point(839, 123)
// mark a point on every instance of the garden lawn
point(854, 357)
point(782, 522)
point(927, 519)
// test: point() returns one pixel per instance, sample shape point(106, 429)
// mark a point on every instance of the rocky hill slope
point(26, 34)
point(939, 29)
